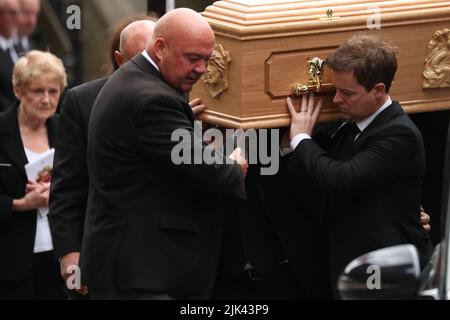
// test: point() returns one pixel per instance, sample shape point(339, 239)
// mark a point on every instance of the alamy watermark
point(374, 280)
point(74, 280)
point(257, 147)
point(73, 21)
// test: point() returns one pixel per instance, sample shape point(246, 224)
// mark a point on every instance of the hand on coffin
point(425, 220)
point(236, 156)
point(304, 120)
point(197, 106)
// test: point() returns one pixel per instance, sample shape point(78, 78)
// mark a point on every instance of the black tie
point(349, 133)
point(345, 141)
point(354, 130)
point(20, 50)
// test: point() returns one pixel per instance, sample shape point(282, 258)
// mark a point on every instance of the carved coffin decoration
point(267, 50)
point(437, 61)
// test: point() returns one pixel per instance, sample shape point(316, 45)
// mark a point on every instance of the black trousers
point(43, 283)
point(280, 284)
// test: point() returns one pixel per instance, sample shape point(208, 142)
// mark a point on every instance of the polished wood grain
point(271, 41)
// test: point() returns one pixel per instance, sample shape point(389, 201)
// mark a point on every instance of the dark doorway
point(156, 6)
point(434, 127)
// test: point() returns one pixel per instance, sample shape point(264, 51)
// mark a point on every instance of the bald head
point(182, 43)
point(9, 11)
point(134, 38)
point(181, 22)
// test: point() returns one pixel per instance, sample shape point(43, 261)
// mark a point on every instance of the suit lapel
point(329, 201)
point(384, 117)
point(10, 140)
point(142, 63)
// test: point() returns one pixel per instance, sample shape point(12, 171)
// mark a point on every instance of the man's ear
point(159, 47)
point(118, 57)
point(380, 88)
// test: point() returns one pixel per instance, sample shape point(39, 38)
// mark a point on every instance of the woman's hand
point(31, 186)
point(37, 196)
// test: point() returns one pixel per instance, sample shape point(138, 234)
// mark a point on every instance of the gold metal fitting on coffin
point(329, 13)
point(315, 77)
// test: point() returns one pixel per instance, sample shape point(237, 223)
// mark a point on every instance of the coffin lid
point(254, 19)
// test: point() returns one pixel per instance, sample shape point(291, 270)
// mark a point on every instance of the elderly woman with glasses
point(28, 267)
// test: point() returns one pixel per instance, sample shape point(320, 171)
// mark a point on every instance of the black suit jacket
point(271, 226)
point(70, 180)
point(150, 224)
point(18, 229)
point(6, 90)
point(376, 192)
point(292, 211)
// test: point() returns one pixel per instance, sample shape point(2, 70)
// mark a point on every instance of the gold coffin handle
point(299, 89)
point(315, 77)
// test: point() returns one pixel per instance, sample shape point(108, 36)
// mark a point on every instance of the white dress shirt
point(6, 44)
point(145, 54)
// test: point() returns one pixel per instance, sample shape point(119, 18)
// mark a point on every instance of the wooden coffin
point(265, 51)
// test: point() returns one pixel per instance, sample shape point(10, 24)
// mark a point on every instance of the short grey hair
point(36, 63)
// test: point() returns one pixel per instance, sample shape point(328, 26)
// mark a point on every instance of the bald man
point(133, 39)
point(154, 227)
point(9, 11)
point(28, 17)
point(70, 180)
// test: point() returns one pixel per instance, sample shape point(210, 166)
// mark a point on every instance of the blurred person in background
point(114, 41)
point(9, 12)
point(27, 21)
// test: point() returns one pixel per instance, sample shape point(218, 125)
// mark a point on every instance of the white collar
point(365, 122)
point(25, 42)
point(6, 43)
point(146, 55)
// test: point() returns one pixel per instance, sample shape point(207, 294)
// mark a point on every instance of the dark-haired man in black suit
point(372, 176)
point(9, 11)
